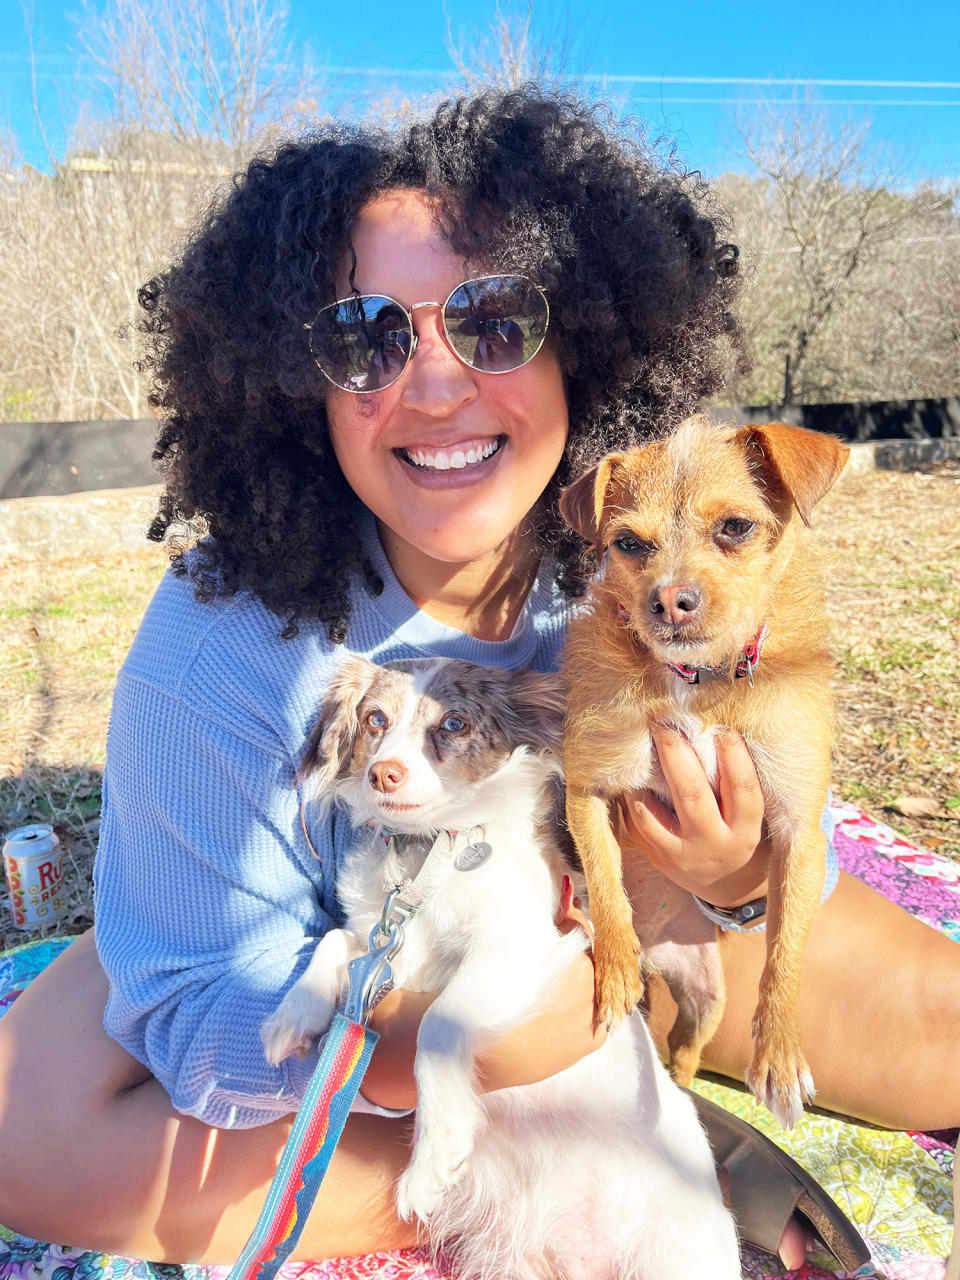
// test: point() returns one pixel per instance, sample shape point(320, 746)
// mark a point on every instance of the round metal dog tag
point(473, 856)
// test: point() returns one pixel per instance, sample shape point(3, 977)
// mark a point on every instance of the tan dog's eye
point(736, 529)
point(375, 720)
point(629, 545)
point(453, 724)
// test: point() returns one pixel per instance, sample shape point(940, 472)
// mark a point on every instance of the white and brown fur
point(601, 1171)
point(715, 514)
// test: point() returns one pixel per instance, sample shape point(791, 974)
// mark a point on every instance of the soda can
point(33, 861)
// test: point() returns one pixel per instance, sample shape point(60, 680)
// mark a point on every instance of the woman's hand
point(560, 1034)
point(712, 846)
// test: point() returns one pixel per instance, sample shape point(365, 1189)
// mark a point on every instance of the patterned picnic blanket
point(895, 1186)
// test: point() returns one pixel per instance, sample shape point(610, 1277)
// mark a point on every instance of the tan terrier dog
point(707, 616)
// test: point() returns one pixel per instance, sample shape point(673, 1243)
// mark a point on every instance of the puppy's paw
point(783, 1084)
point(418, 1194)
point(440, 1156)
point(301, 1018)
point(617, 983)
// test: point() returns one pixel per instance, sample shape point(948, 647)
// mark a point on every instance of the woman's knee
point(55, 1052)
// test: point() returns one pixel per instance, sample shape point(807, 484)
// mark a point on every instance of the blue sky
point(682, 67)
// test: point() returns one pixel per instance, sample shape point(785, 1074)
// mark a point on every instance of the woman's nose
point(435, 382)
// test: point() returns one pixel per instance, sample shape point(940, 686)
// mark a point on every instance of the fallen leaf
point(916, 807)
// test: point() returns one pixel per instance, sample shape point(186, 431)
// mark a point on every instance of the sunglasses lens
point(496, 324)
point(362, 343)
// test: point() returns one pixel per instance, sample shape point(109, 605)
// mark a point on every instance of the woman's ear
point(329, 746)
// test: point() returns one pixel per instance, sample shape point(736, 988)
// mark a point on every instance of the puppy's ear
point(582, 503)
point(538, 703)
point(806, 463)
point(329, 747)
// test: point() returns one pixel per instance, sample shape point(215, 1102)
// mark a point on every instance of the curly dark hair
point(629, 250)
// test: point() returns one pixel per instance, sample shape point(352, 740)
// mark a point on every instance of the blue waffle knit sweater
point(209, 899)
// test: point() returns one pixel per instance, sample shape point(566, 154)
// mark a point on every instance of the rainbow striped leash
point(306, 1156)
point(326, 1104)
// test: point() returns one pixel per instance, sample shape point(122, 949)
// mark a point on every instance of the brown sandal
point(767, 1187)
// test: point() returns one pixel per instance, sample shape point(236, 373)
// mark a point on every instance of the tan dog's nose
point(387, 775)
point(678, 603)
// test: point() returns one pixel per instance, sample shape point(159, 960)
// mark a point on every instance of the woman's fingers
point(651, 826)
point(709, 846)
point(570, 913)
point(741, 799)
point(693, 799)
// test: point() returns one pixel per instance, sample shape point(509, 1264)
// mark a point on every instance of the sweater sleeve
point(209, 901)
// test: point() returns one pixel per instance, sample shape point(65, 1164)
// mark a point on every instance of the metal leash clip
point(370, 977)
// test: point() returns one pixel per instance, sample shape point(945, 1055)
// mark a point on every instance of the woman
point(393, 495)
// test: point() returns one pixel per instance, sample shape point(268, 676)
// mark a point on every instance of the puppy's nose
point(678, 603)
point(387, 775)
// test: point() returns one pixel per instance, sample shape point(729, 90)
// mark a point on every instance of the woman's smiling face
point(449, 459)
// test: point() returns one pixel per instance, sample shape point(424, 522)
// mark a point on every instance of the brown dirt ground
point(69, 606)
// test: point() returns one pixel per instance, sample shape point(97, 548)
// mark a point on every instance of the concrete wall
point(71, 457)
point(38, 458)
point(863, 421)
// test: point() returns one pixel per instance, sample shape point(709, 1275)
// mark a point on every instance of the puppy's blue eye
point(453, 724)
point(375, 720)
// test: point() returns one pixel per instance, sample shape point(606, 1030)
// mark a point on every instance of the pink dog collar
point(746, 664)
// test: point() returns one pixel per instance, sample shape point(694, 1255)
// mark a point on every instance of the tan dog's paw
point(782, 1082)
point(617, 983)
point(684, 1065)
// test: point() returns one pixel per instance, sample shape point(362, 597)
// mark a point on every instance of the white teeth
point(455, 460)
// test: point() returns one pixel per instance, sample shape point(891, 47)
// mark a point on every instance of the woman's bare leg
point(879, 1017)
point(95, 1156)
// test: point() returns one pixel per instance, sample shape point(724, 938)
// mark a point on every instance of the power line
point(602, 77)
point(775, 80)
point(830, 102)
point(412, 73)
point(605, 78)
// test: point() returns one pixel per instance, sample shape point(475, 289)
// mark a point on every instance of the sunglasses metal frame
point(414, 306)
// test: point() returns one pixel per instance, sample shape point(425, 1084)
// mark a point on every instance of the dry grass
point(895, 604)
point(66, 621)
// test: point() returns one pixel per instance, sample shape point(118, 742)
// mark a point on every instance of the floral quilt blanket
point(896, 1187)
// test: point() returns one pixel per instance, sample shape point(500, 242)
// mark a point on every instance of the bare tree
point(513, 48)
point(825, 219)
point(188, 91)
point(214, 75)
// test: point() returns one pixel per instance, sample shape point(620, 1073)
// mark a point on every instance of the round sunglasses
point(494, 324)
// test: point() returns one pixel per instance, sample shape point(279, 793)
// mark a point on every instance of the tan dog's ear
point(330, 744)
point(807, 463)
point(581, 503)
